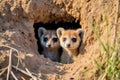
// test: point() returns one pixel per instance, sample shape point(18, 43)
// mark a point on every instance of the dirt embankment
point(17, 18)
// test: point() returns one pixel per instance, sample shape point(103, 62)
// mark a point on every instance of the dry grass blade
point(13, 75)
point(8, 68)
point(9, 65)
point(22, 71)
point(26, 73)
point(9, 47)
point(30, 74)
point(3, 70)
point(14, 50)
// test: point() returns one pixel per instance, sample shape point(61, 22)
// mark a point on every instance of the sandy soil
point(17, 18)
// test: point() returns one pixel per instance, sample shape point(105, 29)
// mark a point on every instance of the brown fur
point(73, 50)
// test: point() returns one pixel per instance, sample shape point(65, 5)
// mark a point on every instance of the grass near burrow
point(110, 69)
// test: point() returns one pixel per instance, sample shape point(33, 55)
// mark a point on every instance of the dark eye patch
point(64, 39)
point(45, 39)
point(55, 39)
point(74, 39)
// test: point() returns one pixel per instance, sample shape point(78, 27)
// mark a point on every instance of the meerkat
point(50, 44)
point(70, 40)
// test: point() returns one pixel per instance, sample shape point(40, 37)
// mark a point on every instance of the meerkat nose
point(68, 45)
point(48, 45)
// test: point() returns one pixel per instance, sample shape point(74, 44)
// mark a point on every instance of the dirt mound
point(17, 18)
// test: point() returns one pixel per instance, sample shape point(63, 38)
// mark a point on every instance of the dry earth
point(17, 18)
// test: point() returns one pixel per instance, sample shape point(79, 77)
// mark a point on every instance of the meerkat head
point(70, 39)
point(48, 38)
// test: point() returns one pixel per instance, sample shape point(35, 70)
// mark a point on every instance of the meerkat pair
point(53, 42)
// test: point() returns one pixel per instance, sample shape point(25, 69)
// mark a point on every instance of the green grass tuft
point(110, 70)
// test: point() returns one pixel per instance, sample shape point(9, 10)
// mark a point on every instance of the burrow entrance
point(54, 26)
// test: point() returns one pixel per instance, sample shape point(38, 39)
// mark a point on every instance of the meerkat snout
point(68, 45)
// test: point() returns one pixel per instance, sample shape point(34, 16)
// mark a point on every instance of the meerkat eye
point(64, 39)
point(74, 39)
point(45, 39)
point(55, 39)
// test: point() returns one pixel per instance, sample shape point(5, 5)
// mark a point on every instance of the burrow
point(54, 26)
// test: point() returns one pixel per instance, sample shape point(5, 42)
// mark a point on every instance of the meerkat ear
point(41, 31)
point(80, 32)
point(59, 32)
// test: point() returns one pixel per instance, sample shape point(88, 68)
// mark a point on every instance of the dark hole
point(53, 26)
point(71, 78)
